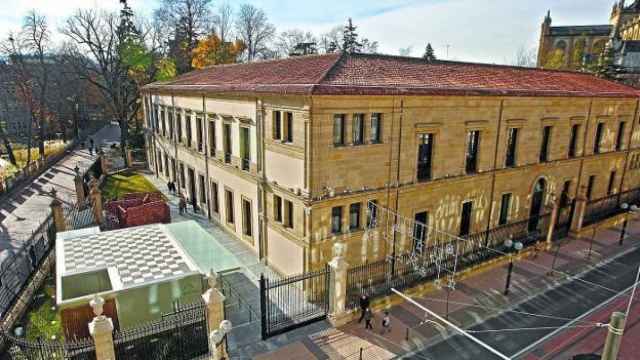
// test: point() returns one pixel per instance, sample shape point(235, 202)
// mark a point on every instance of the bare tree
point(184, 21)
point(223, 22)
point(289, 41)
point(406, 51)
point(255, 30)
point(525, 57)
point(5, 110)
point(329, 40)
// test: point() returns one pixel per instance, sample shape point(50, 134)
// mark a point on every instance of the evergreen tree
point(350, 43)
point(429, 54)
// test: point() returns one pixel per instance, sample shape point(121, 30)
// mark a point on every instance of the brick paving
point(474, 299)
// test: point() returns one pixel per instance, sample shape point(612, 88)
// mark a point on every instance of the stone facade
point(309, 176)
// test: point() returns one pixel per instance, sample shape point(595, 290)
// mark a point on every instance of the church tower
point(545, 31)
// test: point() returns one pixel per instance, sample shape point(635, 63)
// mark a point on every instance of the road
point(508, 332)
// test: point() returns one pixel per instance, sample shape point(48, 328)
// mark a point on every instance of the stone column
point(338, 267)
point(79, 184)
point(56, 211)
point(214, 302)
point(552, 221)
point(578, 213)
point(129, 157)
point(101, 329)
point(96, 201)
point(103, 162)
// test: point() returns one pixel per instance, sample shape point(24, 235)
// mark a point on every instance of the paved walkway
point(24, 211)
point(474, 299)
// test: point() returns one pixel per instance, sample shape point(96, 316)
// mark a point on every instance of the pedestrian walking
point(364, 305)
point(182, 205)
point(169, 186)
point(386, 323)
point(368, 316)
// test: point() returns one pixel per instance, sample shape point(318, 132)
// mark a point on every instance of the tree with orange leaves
point(213, 51)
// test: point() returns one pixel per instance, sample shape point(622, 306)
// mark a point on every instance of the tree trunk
point(7, 145)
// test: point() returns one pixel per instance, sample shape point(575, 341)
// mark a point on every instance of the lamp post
point(511, 246)
point(216, 338)
point(627, 209)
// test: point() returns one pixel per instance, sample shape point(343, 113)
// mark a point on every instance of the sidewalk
point(25, 210)
point(474, 299)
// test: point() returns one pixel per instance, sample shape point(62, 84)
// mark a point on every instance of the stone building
point(581, 47)
point(287, 154)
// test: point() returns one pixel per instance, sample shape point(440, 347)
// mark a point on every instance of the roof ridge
point(339, 60)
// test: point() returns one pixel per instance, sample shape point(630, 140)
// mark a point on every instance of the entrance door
point(465, 220)
point(537, 198)
point(192, 189)
point(420, 231)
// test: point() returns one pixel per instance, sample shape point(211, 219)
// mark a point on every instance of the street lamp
point(510, 246)
point(217, 336)
point(626, 208)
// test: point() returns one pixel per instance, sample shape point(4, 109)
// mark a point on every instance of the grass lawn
point(117, 185)
point(42, 319)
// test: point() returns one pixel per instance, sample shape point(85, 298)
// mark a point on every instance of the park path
point(26, 209)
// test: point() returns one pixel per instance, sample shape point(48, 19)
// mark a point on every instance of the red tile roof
point(362, 74)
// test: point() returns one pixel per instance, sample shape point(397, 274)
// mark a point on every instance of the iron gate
point(293, 302)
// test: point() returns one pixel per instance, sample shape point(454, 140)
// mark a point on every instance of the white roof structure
point(132, 257)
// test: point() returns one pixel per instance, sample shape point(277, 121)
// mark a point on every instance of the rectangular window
point(512, 145)
point(201, 189)
point(187, 120)
point(277, 125)
point(358, 129)
point(288, 214)
point(544, 147)
point(229, 206)
point(564, 196)
point(166, 165)
point(504, 209)
point(245, 148)
point(163, 123)
point(338, 129)
point(420, 229)
point(612, 182)
point(277, 208)
point(173, 169)
point(425, 153)
point(182, 176)
point(288, 127)
point(247, 228)
point(620, 137)
point(215, 205)
point(354, 216)
point(179, 125)
point(212, 137)
point(465, 218)
point(170, 113)
point(227, 143)
point(160, 162)
point(336, 220)
point(590, 185)
point(473, 142)
point(199, 133)
point(376, 128)
point(372, 215)
point(598, 139)
point(573, 142)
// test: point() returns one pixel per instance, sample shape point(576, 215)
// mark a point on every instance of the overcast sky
point(474, 30)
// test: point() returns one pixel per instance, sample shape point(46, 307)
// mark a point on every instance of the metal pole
point(614, 337)
point(593, 237)
point(508, 284)
point(633, 292)
point(447, 313)
point(361, 350)
point(623, 231)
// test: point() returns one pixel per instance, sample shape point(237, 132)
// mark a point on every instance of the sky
point(467, 30)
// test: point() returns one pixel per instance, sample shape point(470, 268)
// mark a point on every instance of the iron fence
point(180, 335)
point(443, 259)
point(79, 216)
point(601, 209)
point(21, 348)
point(294, 301)
point(18, 267)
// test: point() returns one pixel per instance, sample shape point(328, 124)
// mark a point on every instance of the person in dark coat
point(368, 316)
point(364, 305)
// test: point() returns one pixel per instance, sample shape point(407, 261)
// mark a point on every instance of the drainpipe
point(397, 185)
point(584, 149)
point(205, 146)
point(495, 168)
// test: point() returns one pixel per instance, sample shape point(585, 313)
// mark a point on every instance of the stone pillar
point(214, 302)
point(96, 201)
point(103, 162)
point(56, 211)
point(129, 157)
point(79, 184)
point(552, 221)
point(101, 330)
point(578, 214)
point(338, 267)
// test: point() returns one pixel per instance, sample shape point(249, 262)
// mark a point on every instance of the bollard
point(361, 351)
